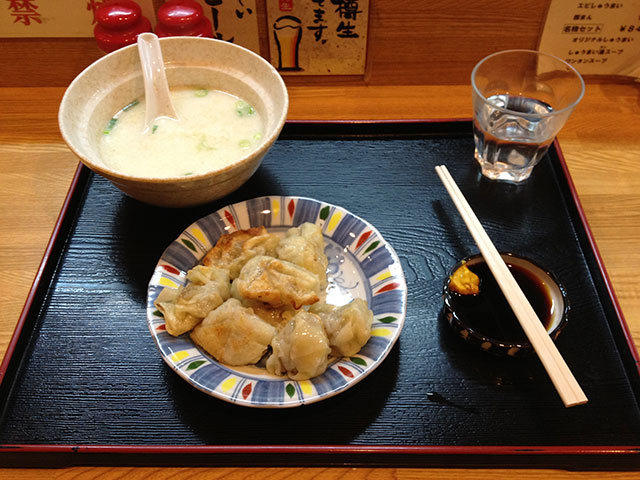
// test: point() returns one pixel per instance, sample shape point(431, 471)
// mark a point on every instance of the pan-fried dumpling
point(300, 349)
point(233, 334)
point(304, 246)
point(277, 282)
point(185, 307)
point(234, 249)
point(275, 316)
point(348, 327)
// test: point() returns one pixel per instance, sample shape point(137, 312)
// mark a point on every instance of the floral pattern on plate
point(361, 265)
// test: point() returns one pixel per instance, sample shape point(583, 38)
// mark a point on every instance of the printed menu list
point(596, 37)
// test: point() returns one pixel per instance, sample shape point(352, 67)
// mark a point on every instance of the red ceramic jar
point(183, 18)
point(119, 22)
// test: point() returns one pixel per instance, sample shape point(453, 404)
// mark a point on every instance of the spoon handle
point(156, 87)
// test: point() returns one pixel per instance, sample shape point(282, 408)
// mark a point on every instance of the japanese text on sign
point(24, 11)
point(318, 37)
point(597, 38)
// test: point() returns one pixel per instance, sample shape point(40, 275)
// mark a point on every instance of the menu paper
point(596, 37)
point(318, 37)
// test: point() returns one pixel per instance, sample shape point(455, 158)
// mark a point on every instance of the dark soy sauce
point(489, 313)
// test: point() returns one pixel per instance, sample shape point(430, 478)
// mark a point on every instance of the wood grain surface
point(601, 145)
point(109, 473)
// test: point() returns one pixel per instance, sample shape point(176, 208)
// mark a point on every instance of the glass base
point(503, 172)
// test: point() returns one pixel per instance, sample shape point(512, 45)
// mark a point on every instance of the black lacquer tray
point(83, 383)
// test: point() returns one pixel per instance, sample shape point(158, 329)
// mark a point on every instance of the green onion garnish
point(202, 145)
point(131, 105)
point(110, 125)
point(244, 109)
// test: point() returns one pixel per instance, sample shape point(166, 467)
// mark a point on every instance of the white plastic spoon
point(156, 88)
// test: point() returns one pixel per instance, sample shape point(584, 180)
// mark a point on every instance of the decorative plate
point(361, 264)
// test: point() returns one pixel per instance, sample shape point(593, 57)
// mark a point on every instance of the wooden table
point(601, 144)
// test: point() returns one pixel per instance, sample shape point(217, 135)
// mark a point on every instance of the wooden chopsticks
point(557, 369)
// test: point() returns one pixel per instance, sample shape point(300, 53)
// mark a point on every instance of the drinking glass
point(521, 100)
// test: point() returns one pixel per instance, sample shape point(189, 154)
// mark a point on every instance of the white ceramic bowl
point(115, 80)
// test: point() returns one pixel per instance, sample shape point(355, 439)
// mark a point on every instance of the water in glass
point(511, 136)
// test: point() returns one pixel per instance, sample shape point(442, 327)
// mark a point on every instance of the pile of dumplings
point(256, 299)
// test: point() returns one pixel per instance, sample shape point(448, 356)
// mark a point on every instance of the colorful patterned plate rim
point(361, 264)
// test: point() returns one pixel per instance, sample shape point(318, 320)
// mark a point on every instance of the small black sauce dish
point(485, 319)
